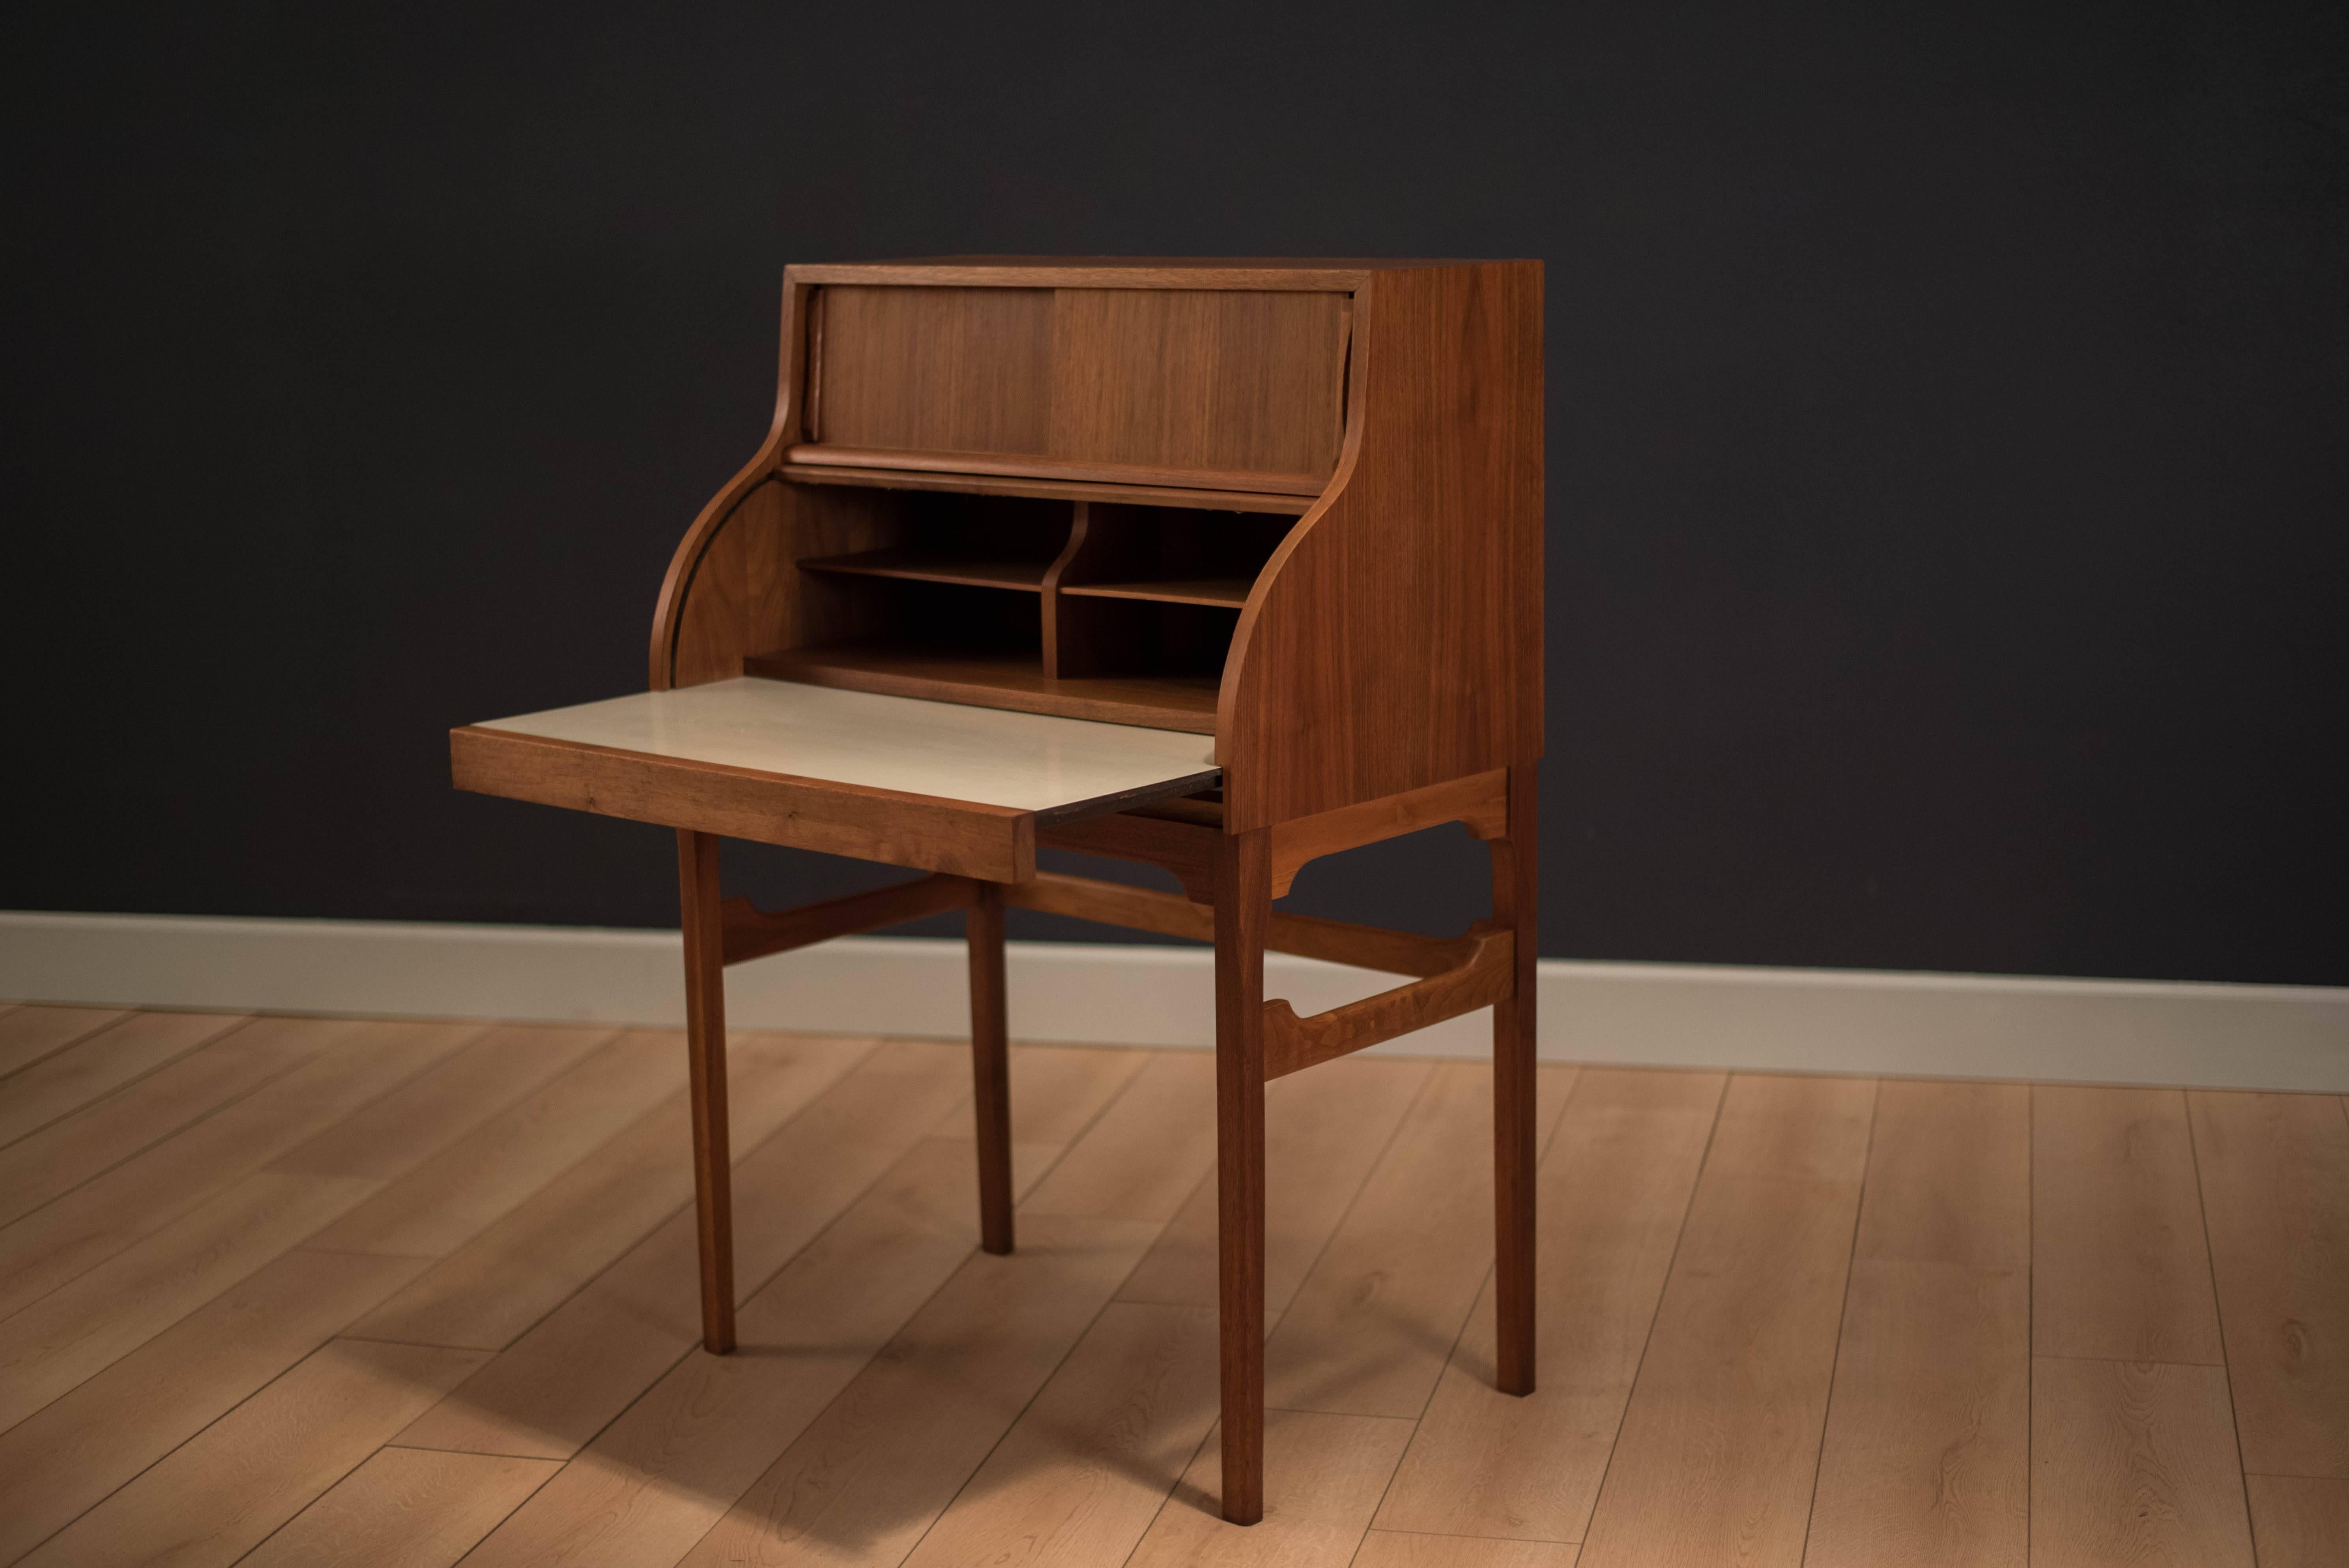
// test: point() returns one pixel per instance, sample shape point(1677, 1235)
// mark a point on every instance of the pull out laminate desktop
point(935, 785)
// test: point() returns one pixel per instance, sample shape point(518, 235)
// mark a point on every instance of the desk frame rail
point(1230, 880)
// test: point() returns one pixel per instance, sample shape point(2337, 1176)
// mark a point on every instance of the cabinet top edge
point(1122, 272)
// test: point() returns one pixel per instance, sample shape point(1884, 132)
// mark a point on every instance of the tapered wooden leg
point(990, 1067)
point(1243, 911)
point(1513, 1096)
point(705, 1043)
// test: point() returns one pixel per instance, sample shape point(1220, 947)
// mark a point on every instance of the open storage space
point(1085, 608)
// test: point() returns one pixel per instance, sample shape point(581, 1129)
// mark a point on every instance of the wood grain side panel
point(937, 369)
point(992, 843)
point(745, 595)
point(1391, 647)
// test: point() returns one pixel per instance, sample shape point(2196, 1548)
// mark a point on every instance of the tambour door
point(1217, 389)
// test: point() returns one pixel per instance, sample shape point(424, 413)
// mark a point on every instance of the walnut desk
point(1217, 565)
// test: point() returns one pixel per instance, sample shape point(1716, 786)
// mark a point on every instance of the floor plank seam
point(1079, 1338)
point(69, 1042)
point(418, 1344)
point(682, 1208)
point(2219, 1313)
point(962, 1109)
point(1843, 1315)
point(1550, 1142)
point(1215, 1431)
point(132, 1480)
point(2133, 1361)
point(228, 1028)
point(1354, 1199)
point(2030, 1307)
point(362, 1253)
point(306, 1506)
point(159, 1140)
point(1680, 1235)
point(359, 1493)
point(444, 1448)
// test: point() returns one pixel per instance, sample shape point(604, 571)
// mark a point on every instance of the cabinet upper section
point(1206, 375)
point(1213, 388)
point(1065, 486)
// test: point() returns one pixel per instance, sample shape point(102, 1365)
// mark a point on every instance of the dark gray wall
point(1949, 426)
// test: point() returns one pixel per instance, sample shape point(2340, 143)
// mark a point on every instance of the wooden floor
point(290, 1291)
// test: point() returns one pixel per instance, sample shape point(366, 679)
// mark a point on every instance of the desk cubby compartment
point(1087, 609)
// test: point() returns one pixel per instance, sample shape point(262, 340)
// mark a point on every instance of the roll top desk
point(1216, 565)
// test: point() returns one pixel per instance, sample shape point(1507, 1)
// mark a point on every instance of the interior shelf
point(1000, 680)
point(926, 566)
point(1121, 613)
point(1219, 592)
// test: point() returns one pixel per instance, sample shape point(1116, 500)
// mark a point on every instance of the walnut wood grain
point(1516, 890)
point(705, 1048)
point(990, 1066)
point(1243, 902)
point(920, 566)
point(1397, 642)
point(1293, 1043)
point(1332, 941)
point(1222, 593)
point(755, 933)
point(1072, 470)
point(994, 842)
point(1060, 637)
point(1214, 389)
point(685, 563)
point(1184, 849)
point(1482, 803)
point(1101, 272)
point(742, 591)
point(936, 369)
point(1197, 382)
point(819, 474)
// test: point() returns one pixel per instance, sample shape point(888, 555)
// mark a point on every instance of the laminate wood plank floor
point(340, 1292)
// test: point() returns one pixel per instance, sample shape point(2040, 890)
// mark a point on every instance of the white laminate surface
point(1027, 762)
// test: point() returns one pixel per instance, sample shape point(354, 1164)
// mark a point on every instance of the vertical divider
point(1048, 600)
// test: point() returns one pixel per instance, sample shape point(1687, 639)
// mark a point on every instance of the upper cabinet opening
point(1229, 389)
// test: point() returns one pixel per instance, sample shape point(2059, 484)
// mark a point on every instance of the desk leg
point(1243, 911)
point(705, 1043)
point(1513, 1095)
point(990, 1067)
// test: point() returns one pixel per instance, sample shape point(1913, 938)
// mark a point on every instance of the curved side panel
point(670, 609)
point(1395, 641)
point(745, 595)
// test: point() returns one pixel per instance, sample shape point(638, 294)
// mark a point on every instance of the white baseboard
point(1808, 1020)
